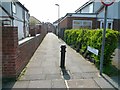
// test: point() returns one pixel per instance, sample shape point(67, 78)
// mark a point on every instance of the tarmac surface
point(43, 70)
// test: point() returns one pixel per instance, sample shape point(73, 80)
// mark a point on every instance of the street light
point(58, 16)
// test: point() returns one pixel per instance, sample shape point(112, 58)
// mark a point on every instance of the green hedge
point(82, 38)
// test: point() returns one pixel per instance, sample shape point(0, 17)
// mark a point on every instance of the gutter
point(85, 5)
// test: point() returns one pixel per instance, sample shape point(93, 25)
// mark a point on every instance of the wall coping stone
point(25, 40)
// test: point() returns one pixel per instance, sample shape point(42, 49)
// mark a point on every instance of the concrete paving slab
point(58, 84)
point(53, 76)
point(33, 77)
point(40, 84)
point(82, 83)
point(88, 69)
point(51, 70)
point(84, 75)
point(21, 84)
point(102, 83)
point(34, 64)
point(33, 71)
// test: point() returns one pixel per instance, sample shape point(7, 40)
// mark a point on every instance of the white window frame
point(108, 21)
point(14, 8)
point(81, 21)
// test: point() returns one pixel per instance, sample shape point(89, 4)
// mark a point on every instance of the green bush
point(93, 38)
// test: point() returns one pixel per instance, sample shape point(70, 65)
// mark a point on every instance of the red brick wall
point(35, 29)
point(64, 23)
point(0, 53)
point(14, 56)
point(9, 50)
point(116, 24)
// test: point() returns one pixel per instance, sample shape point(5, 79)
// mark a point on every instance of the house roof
point(35, 20)
point(21, 5)
point(76, 15)
point(88, 3)
point(83, 6)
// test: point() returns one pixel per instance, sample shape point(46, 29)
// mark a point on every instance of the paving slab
point(84, 75)
point(53, 76)
point(21, 84)
point(102, 83)
point(33, 71)
point(58, 84)
point(33, 77)
point(40, 84)
point(82, 83)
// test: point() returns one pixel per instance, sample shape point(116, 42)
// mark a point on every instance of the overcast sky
point(47, 11)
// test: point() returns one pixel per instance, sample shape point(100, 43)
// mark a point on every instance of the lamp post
point(58, 17)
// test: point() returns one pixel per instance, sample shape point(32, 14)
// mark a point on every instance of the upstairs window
point(14, 7)
point(88, 9)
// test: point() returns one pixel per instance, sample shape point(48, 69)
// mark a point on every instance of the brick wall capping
point(25, 40)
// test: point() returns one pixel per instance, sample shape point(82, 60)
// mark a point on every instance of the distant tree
point(33, 22)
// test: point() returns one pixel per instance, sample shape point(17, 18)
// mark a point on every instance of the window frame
point(14, 8)
point(81, 24)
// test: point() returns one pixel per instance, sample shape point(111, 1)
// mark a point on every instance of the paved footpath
point(43, 70)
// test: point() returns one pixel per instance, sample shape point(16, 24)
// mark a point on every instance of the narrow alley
point(43, 70)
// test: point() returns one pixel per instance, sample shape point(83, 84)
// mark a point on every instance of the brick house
point(73, 20)
point(15, 14)
point(35, 25)
point(91, 15)
point(113, 17)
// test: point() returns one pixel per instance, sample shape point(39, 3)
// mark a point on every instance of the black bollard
point(62, 65)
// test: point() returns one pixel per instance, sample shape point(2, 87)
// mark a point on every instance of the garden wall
point(16, 55)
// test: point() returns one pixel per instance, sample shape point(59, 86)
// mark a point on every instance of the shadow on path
point(65, 74)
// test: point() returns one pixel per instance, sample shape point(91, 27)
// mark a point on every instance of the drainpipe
point(96, 21)
point(12, 14)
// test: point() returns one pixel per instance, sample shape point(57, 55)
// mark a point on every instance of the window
point(82, 24)
point(88, 9)
point(6, 22)
point(91, 8)
point(109, 25)
point(23, 14)
point(14, 8)
point(87, 24)
point(102, 25)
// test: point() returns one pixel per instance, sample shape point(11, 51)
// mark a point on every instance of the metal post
point(62, 64)
point(103, 42)
point(58, 18)
point(58, 21)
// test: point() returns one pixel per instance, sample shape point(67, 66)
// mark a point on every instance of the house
point(75, 20)
point(91, 15)
point(113, 19)
point(35, 26)
point(113, 15)
point(17, 15)
point(34, 21)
